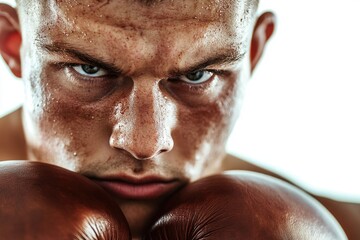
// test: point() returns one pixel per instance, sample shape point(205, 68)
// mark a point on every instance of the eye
point(197, 77)
point(90, 71)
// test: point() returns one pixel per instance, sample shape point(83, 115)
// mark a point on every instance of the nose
point(144, 128)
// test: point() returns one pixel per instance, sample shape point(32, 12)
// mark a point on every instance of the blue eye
point(197, 77)
point(90, 71)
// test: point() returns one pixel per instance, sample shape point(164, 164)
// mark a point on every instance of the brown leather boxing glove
point(243, 205)
point(40, 201)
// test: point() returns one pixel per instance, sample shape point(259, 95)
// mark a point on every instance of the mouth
point(145, 188)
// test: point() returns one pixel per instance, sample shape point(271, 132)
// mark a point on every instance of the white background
point(301, 114)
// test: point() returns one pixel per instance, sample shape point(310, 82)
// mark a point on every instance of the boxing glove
point(40, 201)
point(243, 205)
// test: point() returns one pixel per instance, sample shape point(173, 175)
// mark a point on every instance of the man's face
point(127, 91)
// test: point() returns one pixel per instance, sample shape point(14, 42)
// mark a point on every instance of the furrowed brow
point(228, 58)
point(74, 52)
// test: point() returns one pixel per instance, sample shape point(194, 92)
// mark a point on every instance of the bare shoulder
point(234, 163)
point(348, 214)
point(12, 141)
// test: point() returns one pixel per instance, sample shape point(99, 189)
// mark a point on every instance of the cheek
point(202, 132)
point(86, 128)
point(58, 128)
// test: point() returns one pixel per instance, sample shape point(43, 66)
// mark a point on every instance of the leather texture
point(41, 201)
point(243, 205)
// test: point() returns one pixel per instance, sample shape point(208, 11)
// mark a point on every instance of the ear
point(263, 30)
point(10, 38)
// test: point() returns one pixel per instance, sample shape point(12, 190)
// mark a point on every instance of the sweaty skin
point(137, 111)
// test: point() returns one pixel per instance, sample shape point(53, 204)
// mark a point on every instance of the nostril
point(141, 150)
point(162, 151)
point(144, 156)
point(141, 157)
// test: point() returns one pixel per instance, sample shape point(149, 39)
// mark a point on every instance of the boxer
point(138, 96)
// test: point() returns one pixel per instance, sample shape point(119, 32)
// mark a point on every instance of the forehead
point(140, 14)
point(158, 9)
point(151, 29)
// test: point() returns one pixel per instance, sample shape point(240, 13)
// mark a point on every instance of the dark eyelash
point(199, 88)
point(65, 64)
point(214, 71)
point(62, 65)
point(219, 72)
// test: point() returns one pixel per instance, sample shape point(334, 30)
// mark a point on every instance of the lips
point(146, 188)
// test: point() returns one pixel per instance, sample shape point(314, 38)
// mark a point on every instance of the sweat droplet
point(75, 154)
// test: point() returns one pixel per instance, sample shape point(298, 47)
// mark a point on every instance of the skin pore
point(135, 88)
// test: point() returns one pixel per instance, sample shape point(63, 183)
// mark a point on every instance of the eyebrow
point(69, 50)
point(227, 58)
